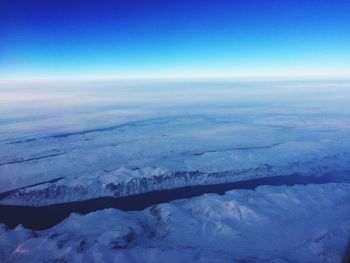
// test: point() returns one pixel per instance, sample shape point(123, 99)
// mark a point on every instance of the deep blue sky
point(127, 38)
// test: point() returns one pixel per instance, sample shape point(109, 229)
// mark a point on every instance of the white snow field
point(64, 142)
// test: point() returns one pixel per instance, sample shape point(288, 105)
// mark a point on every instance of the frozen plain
point(119, 139)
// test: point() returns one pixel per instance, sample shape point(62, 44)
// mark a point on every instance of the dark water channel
point(38, 218)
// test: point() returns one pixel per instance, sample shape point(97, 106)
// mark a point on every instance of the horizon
point(259, 78)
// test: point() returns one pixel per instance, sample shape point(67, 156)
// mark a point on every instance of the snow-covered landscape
point(117, 139)
point(272, 224)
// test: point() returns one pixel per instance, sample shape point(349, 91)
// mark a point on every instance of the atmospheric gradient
point(170, 39)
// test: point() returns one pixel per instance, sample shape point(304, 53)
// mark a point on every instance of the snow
point(117, 133)
point(308, 223)
point(123, 138)
point(125, 181)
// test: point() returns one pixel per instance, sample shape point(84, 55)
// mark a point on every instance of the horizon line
point(284, 77)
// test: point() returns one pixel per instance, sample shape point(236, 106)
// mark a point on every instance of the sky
point(176, 39)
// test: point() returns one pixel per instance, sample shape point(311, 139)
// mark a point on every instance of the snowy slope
point(272, 224)
point(125, 182)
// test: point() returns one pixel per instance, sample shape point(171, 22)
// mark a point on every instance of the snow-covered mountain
point(124, 182)
point(271, 224)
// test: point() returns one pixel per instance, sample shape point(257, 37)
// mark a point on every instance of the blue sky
point(128, 38)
